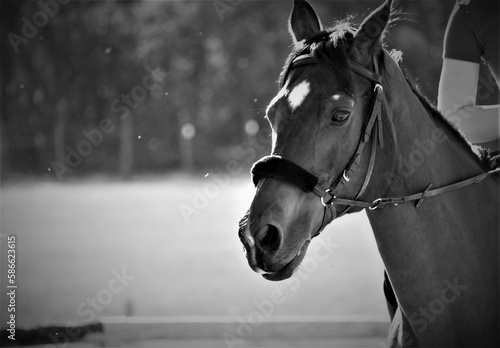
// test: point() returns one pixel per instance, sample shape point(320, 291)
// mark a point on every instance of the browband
point(308, 59)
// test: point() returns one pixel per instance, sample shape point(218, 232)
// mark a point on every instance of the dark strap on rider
point(280, 168)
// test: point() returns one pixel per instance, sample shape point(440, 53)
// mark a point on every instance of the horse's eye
point(340, 116)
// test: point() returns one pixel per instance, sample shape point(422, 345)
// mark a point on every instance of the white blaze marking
point(298, 94)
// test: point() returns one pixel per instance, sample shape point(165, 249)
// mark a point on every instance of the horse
point(352, 132)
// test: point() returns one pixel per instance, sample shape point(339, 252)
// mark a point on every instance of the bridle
point(281, 168)
point(285, 170)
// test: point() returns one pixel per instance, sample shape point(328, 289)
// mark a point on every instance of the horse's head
point(318, 121)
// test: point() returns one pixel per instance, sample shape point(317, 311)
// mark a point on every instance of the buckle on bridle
point(330, 200)
point(345, 176)
point(375, 204)
point(378, 87)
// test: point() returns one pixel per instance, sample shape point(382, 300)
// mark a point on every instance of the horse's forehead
point(294, 98)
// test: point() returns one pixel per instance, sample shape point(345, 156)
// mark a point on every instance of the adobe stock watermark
point(242, 154)
point(247, 324)
point(425, 316)
point(30, 28)
point(90, 308)
point(74, 157)
point(224, 7)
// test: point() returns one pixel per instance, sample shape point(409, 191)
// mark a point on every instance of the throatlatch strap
point(279, 168)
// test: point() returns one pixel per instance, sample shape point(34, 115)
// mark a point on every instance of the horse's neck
point(450, 237)
point(429, 150)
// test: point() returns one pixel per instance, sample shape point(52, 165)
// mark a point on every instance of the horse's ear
point(304, 22)
point(368, 38)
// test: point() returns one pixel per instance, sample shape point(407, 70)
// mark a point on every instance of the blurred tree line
point(128, 87)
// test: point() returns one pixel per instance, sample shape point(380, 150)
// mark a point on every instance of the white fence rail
point(213, 331)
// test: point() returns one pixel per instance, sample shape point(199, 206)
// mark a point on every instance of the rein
point(285, 170)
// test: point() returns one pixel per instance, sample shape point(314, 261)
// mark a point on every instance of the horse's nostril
point(269, 238)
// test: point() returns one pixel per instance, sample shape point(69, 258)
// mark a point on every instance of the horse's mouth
point(249, 246)
point(287, 271)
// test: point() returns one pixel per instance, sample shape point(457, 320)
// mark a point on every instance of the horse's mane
point(329, 48)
